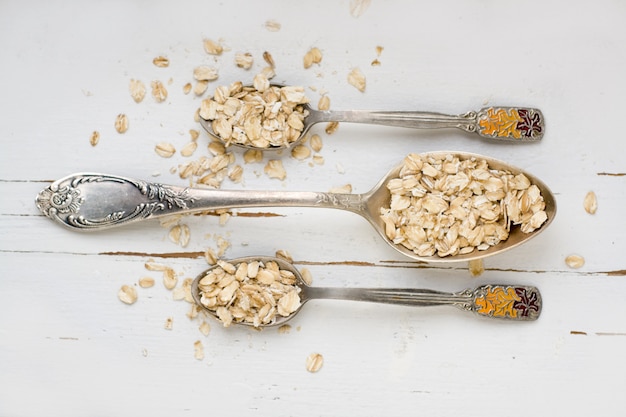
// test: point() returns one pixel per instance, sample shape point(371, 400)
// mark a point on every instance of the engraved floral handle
point(521, 124)
point(495, 301)
point(90, 201)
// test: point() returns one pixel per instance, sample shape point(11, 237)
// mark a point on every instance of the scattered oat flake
point(358, 7)
point(189, 149)
point(269, 59)
point(161, 62)
point(274, 169)
point(153, 266)
point(343, 189)
point(205, 73)
point(357, 79)
point(213, 48)
point(306, 276)
point(284, 329)
point(285, 255)
point(575, 261)
point(146, 282)
point(169, 323)
point(164, 149)
point(324, 103)
point(313, 56)
point(200, 87)
point(244, 60)
point(272, 25)
point(169, 278)
point(187, 88)
point(476, 267)
point(159, 92)
point(121, 123)
point(316, 142)
point(127, 294)
point(314, 362)
point(318, 159)
point(198, 348)
point(591, 203)
point(137, 90)
point(331, 127)
point(205, 328)
point(94, 138)
point(252, 155)
point(300, 152)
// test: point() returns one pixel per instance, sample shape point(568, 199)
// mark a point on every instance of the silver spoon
point(508, 124)
point(89, 201)
point(512, 302)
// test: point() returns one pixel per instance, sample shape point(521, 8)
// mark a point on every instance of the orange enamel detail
point(497, 302)
point(501, 123)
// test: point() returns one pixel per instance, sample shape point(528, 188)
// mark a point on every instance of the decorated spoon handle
point(89, 201)
point(515, 124)
point(512, 302)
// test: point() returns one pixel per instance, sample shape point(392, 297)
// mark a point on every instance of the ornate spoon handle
point(495, 301)
point(517, 124)
point(88, 201)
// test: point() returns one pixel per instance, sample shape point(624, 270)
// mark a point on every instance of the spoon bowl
point(92, 201)
point(511, 302)
point(495, 123)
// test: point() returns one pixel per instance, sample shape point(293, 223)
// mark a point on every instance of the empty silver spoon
point(512, 302)
point(510, 124)
point(89, 201)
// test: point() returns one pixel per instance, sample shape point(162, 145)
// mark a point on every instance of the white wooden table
point(68, 346)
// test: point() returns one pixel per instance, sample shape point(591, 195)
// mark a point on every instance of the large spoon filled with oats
point(271, 116)
point(433, 207)
point(265, 291)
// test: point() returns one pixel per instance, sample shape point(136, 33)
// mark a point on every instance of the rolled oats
point(448, 206)
point(314, 362)
point(146, 282)
point(200, 87)
point(198, 348)
point(254, 293)
point(252, 155)
point(187, 88)
point(213, 48)
point(274, 169)
point(127, 294)
point(344, 189)
point(159, 92)
point(263, 116)
point(94, 138)
point(358, 7)
point(169, 323)
point(313, 56)
point(272, 25)
point(205, 328)
point(189, 149)
point(331, 127)
point(164, 149)
point(575, 261)
point(591, 203)
point(476, 267)
point(357, 79)
point(161, 62)
point(137, 90)
point(324, 103)
point(244, 60)
point(269, 59)
point(205, 73)
point(301, 152)
point(169, 278)
point(316, 142)
point(121, 123)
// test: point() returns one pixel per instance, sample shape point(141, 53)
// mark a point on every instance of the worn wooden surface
point(68, 346)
